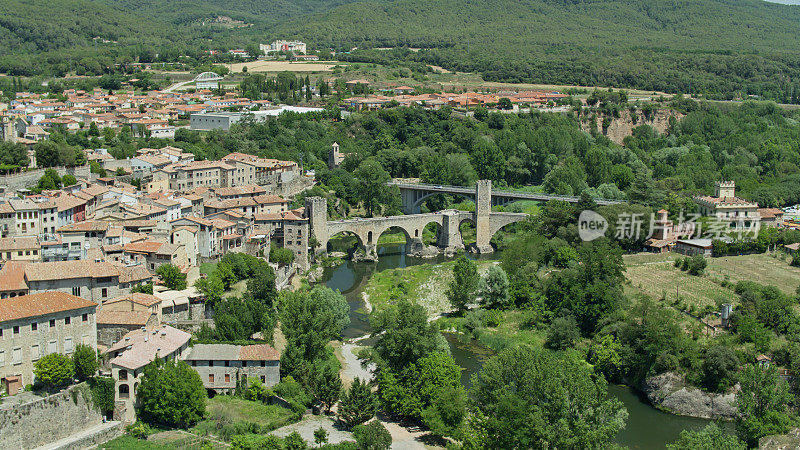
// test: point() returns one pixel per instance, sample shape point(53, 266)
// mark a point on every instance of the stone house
point(21, 248)
point(221, 365)
point(39, 324)
point(134, 351)
point(95, 281)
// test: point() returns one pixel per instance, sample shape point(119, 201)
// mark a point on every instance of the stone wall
point(28, 179)
point(48, 419)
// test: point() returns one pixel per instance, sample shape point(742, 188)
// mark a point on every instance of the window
point(35, 352)
point(76, 291)
point(68, 345)
point(103, 293)
point(124, 391)
point(1, 332)
point(85, 316)
point(2, 359)
point(34, 326)
point(16, 329)
point(16, 356)
point(227, 378)
point(52, 347)
point(52, 323)
point(263, 379)
point(263, 364)
point(67, 320)
point(211, 378)
point(227, 363)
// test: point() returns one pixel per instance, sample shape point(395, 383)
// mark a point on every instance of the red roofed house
point(221, 365)
point(35, 325)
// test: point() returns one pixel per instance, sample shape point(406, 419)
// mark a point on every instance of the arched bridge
point(487, 223)
point(414, 194)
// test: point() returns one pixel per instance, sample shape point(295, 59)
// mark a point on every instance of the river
point(646, 428)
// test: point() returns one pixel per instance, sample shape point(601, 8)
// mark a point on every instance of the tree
point(48, 153)
point(261, 284)
point(404, 335)
point(13, 154)
point(712, 437)
point(281, 255)
point(172, 277)
point(372, 189)
point(49, 181)
point(463, 289)
point(359, 404)
point(320, 436)
point(294, 442)
point(144, 288)
point(719, 368)
point(54, 370)
point(494, 288)
point(93, 130)
point(446, 414)
point(504, 103)
point(85, 361)
point(327, 387)
point(69, 180)
point(416, 388)
point(605, 356)
point(534, 398)
point(762, 402)
point(171, 393)
point(211, 287)
point(697, 265)
point(562, 334)
point(372, 436)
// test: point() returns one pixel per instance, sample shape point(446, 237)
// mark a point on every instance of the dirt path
point(351, 366)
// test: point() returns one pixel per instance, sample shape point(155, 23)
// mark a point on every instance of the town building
point(134, 351)
point(39, 324)
point(283, 46)
point(725, 206)
point(221, 366)
point(20, 248)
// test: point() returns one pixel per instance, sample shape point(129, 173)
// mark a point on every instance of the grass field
point(761, 268)
point(173, 439)
point(655, 275)
point(283, 66)
point(424, 284)
point(227, 416)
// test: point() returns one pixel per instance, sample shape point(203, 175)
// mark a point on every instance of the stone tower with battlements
point(317, 214)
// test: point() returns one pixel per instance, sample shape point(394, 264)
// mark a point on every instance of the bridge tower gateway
point(483, 211)
point(317, 213)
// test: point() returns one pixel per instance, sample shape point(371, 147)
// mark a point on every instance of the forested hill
point(653, 44)
point(721, 48)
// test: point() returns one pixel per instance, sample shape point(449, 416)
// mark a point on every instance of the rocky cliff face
point(623, 126)
point(669, 392)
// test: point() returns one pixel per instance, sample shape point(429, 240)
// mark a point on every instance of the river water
point(647, 427)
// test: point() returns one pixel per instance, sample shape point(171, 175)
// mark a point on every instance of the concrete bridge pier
point(483, 211)
point(411, 204)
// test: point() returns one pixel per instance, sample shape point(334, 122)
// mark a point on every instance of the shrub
point(139, 430)
point(54, 370)
point(372, 436)
point(563, 333)
point(85, 361)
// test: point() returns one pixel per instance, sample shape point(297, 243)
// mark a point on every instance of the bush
point(696, 265)
point(102, 393)
point(281, 256)
point(54, 370)
point(372, 436)
point(85, 361)
point(562, 334)
point(171, 393)
point(139, 430)
point(359, 404)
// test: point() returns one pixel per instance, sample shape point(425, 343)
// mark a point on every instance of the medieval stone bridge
point(486, 222)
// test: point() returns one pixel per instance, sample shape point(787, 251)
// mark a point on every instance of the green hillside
point(719, 48)
point(716, 47)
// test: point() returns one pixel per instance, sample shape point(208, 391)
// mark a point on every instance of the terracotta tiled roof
point(259, 352)
point(143, 246)
point(136, 297)
point(40, 304)
point(87, 225)
point(19, 243)
point(134, 273)
point(12, 276)
point(141, 347)
point(64, 270)
point(131, 318)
